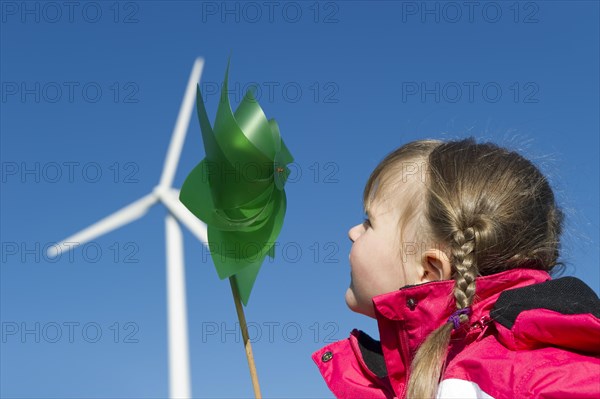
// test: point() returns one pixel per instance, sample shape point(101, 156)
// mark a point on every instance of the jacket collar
point(406, 317)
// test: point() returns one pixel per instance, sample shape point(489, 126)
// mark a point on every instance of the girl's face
point(376, 263)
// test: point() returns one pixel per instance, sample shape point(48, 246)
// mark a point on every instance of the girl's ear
point(435, 265)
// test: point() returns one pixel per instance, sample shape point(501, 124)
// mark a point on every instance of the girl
point(453, 262)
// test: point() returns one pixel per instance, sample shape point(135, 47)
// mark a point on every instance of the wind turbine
point(179, 375)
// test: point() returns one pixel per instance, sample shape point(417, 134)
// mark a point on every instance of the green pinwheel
point(238, 188)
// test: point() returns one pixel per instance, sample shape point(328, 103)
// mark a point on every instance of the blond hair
point(494, 211)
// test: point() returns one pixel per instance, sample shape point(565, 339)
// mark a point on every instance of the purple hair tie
point(455, 318)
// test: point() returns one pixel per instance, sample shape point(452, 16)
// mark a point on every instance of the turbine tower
point(179, 374)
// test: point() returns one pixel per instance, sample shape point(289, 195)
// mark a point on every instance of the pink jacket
point(530, 337)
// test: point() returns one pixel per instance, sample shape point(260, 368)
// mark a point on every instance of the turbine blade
point(183, 121)
point(170, 198)
point(125, 215)
point(179, 366)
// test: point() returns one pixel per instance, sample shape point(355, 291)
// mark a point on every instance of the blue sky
point(90, 93)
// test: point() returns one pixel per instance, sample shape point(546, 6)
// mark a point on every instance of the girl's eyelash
point(366, 222)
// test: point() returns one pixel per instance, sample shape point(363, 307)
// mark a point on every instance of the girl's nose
point(355, 232)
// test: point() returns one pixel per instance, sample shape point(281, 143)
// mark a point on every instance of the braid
point(465, 265)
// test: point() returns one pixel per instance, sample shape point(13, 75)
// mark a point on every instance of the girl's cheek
point(355, 257)
point(352, 254)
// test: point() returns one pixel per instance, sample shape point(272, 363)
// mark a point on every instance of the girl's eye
point(366, 223)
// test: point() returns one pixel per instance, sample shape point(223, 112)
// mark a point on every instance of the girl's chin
point(355, 306)
point(350, 299)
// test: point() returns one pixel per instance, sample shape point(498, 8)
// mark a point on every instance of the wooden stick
point(247, 345)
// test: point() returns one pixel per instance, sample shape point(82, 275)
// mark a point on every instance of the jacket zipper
point(483, 324)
